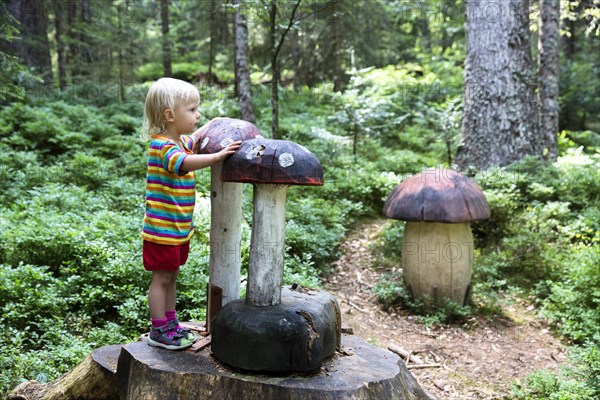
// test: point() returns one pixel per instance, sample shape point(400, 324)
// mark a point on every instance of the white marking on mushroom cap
point(286, 159)
point(304, 148)
point(226, 142)
point(250, 153)
point(204, 143)
point(238, 124)
point(259, 137)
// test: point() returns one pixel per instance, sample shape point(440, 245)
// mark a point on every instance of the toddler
point(170, 115)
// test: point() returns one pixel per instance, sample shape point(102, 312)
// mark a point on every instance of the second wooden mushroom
point(437, 249)
point(226, 214)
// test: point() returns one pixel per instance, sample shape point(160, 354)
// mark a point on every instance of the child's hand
point(229, 150)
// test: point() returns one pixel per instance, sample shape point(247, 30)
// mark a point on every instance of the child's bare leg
point(161, 294)
point(171, 297)
point(158, 293)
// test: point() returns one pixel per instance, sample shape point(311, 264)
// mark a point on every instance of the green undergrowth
point(71, 206)
point(578, 379)
point(71, 203)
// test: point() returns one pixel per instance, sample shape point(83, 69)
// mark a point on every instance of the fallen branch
point(405, 354)
point(408, 357)
point(419, 366)
point(345, 352)
point(357, 307)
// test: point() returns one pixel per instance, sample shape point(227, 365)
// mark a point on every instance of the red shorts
point(164, 257)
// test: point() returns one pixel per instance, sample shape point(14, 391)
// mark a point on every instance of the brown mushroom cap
point(282, 162)
point(440, 195)
point(222, 131)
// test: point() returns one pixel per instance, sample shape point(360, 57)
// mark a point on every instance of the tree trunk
point(71, 50)
point(225, 20)
point(423, 23)
point(446, 39)
point(275, 72)
point(548, 80)
point(213, 39)
point(166, 43)
point(12, 47)
point(500, 120)
point(79, 55)
point(85, 40)
point(275, 49)
point(60, 45)
point(236, 77)
point(120, 55)
point(33, 47)
point(337, 44)
point(242, 74)
point(296, 60)
point(568, 39)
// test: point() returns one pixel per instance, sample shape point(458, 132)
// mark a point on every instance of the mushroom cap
point(222, 131)
point(281, 162)
point(437, 195)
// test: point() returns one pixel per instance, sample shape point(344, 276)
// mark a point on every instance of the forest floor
point(479, 358)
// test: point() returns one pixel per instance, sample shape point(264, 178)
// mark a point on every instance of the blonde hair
point(165, 93)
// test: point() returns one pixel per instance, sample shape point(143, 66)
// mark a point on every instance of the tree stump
point(93, 379)
point(362, 372)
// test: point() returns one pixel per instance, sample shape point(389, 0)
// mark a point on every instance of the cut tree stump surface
point(369, 372)
point(108, 356)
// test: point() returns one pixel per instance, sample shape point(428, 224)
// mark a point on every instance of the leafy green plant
point(580, 380)
point(391, 291)
point(574, 296)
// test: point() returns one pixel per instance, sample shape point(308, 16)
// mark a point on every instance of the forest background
point(374, 88)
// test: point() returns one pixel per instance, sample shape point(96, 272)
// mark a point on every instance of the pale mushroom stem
point(437, 260)
point(265, 267)
point(225, 237)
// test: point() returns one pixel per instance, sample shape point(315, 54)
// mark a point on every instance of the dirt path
point(478, 359)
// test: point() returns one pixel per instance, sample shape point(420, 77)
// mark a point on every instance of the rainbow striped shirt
point(170, 192)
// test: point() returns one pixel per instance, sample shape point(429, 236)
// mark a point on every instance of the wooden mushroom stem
point(265, 268)
point(437, 260)
point(225, 240)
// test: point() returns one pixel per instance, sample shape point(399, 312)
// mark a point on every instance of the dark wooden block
point(296, 335)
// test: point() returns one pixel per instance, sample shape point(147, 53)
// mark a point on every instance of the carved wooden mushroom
point(226, 214)
point(437, 250)
point(274, 330)
point(272, 166)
